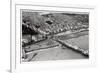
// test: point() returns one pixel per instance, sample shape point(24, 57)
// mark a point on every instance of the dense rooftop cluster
point(55, 22)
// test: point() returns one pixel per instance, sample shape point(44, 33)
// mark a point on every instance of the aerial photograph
point(54, 35)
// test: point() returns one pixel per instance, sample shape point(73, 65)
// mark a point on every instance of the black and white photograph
point(54, 35)
point(50, 36)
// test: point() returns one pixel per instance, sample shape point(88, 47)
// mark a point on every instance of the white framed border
point(17, 66)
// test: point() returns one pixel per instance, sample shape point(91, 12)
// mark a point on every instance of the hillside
point(56, 22)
